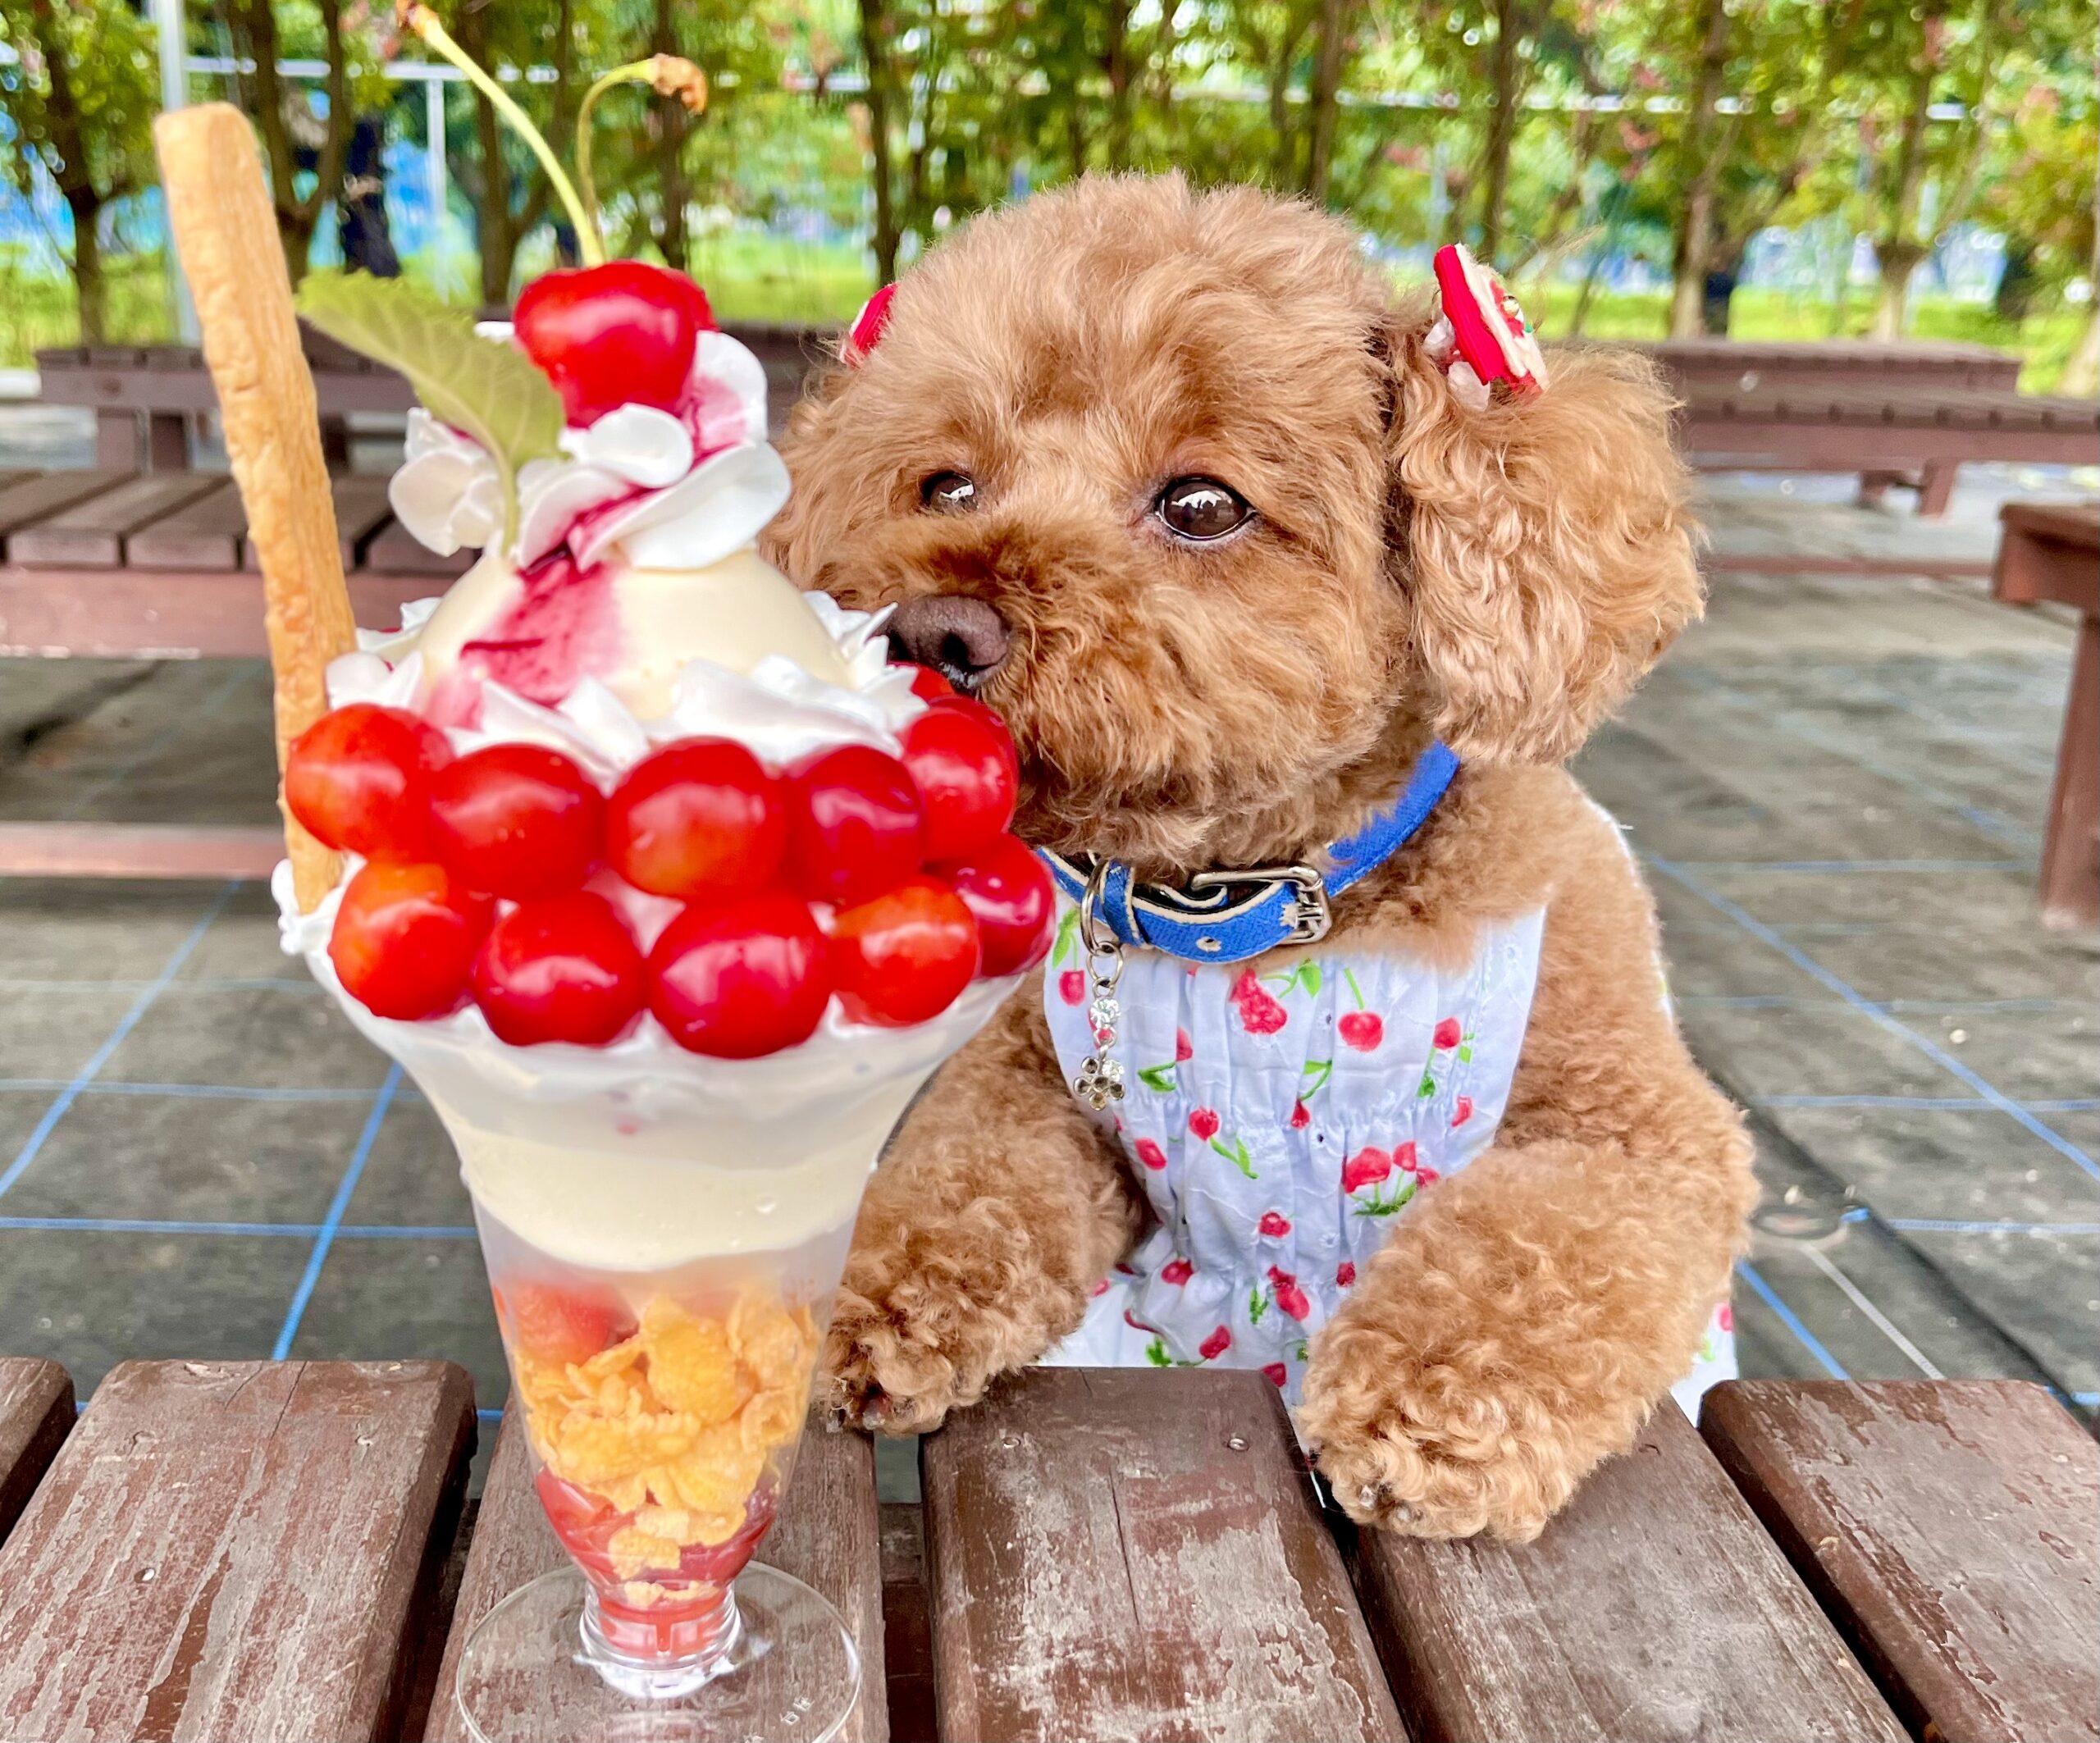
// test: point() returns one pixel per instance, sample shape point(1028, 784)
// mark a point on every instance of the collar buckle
point(1312, 916)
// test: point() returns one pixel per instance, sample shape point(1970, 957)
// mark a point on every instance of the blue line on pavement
point(332, 1221)
point(1956, 1225)
point(298, 1230)
point(1868, 1008)
point(101, 1055)
point(1791, 1320)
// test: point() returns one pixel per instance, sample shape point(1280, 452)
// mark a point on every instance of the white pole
point(171, 25)
point(434, 175)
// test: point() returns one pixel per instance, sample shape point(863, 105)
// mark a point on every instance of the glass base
point(536, 1670)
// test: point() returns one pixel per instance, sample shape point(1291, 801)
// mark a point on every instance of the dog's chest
point(1281, 1117)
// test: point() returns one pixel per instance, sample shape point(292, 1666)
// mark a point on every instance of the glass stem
point(668, 1638)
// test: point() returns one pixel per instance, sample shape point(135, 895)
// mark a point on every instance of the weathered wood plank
point(1117, 1553)
point(36, 1412)
point(392, 549)
point(139, 849)
point(233, 1550)
point(1952, 1530)
point(1654, 1607)
point(29, 501)
point(826, 1534)
point(91, 533)
point(204, 533)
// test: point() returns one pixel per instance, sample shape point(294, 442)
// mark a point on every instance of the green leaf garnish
point(485, 387)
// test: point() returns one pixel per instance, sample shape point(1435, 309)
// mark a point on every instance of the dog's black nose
point(962, 639)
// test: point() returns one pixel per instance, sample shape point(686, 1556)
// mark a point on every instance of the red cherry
point(903, 958)
point(1071, 987)
point(405, 938)
point(553, 1323)
point(1290, 1297)
point(738, 982)
point(359, 778)
point(518, 820)
point(1276, 1373)
point(963, 770)
point(1006, 888)
point(853, 825)
point(1448, 1035)
point(1204, 1122)
point(1215, 1345)
point(1176, 1270)
point(564, 968)
point(1362, 1029)
point(619, 334)
point(700, 818)
point(1274, 1224)
point(1150, 1154)
point(928, 686)
point(970, 709)
point(1345, 1273)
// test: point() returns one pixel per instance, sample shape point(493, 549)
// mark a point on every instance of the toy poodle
point(1352, 1060)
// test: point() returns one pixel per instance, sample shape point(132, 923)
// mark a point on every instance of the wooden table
point(1887, 434)
point(1750, 363)
point(2051, 551)
point(149, 399)
point(258, 1550)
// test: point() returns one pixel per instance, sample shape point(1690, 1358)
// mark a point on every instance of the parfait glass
point(664, 1241)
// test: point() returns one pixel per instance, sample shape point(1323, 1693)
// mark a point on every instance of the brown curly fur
point(1500, 578)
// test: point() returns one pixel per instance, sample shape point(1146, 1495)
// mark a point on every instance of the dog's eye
point(1201, 508)
point(948, 490)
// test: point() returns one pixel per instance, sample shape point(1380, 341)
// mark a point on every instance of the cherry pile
point(888, 882)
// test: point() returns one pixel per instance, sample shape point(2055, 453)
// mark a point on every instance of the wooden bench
point(147, 398)
point(261, 1551)
point(1886, 434)
point(1750, 363)
point(2051, 551)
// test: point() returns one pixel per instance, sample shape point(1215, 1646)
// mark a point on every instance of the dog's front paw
point(883, 1372)
point(1418, 1449)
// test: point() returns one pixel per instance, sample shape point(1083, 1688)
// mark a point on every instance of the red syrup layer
point(562, 627)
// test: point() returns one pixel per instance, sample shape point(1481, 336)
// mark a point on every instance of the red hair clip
point(867, 327)
point(1487, 323)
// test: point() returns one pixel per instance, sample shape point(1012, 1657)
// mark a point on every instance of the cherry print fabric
point(1281, 1120)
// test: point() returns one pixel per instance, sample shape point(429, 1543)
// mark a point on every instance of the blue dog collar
point(1229, 916)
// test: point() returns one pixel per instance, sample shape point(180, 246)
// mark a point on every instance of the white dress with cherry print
point(1280, 1121)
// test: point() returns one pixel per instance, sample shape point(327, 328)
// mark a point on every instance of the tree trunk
point(1326, 97)
point(85, 205)
point(1896, 246)
point(1694, 239)
point(497, 236)
point(2081, 375)
point(874, 53)
point(674, 124)
point(1501, 128)
point(1119, 84)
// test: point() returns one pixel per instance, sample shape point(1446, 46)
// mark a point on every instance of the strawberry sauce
point(562, 627)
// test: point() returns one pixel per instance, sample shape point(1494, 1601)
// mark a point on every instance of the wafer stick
point(226, 233)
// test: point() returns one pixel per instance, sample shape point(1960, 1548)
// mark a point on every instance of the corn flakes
point(675, 1424)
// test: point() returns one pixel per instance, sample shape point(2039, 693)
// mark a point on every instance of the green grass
point(754, 277)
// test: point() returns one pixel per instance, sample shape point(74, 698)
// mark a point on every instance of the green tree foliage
point(81, 93)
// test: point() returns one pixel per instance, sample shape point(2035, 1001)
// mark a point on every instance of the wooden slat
point(361, 511)
point(1653, 1607)
point(203, 533)
point(165, 614)
point(1123, 1553)
point(36, 1411)
point(826, 1534)
point(1951, 1529)
point(143, 850)
point(233, 1550)
point(30, 500)
point(91, 533)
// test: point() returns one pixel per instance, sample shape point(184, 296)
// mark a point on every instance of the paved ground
point(1835, 784)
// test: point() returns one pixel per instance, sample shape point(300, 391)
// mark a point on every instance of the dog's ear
point(1543, 539)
